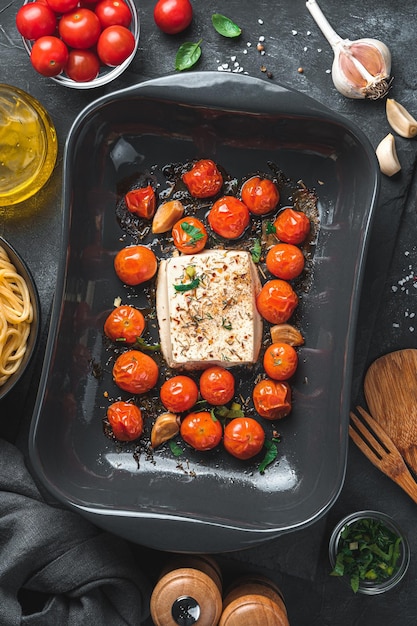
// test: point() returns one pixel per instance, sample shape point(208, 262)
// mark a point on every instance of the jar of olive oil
point(28, 145)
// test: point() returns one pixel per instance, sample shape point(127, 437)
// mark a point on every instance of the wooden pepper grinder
point(253, 601)
point(188, 592)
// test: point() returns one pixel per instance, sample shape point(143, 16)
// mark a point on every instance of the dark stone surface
point(299, 561)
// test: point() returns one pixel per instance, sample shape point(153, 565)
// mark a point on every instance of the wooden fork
point(377, 446)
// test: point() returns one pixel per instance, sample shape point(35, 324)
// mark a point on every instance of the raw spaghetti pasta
point(16, 315)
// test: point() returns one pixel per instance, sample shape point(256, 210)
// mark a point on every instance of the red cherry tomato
point(179, 394)
point(229, 217)
point(82, 65)
point(243, 437)
point(141, 202)
point(280, 361)
point(173, 16)
point(272, 399)
point(112, 12)
point(49, 55)
point(276, 301)
point(201, 430)
point(189, 235)
point(292, 226)
point(125, 420)
point(62, 6)
point(135, 372)
point(124, 324)
point(135, 264)
point(260, 195)
point(115, 45)
point(284, 260)
point(204, 179)
point(217, 385)
point(35, 20)
point(80, 28)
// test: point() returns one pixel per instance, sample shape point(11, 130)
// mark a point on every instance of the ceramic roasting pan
point(202, 502)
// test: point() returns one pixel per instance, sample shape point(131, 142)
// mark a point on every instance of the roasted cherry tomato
point(35, 20)
point(229, 217)
point(260, 195)
point(189, 235)
point(135, 264)
point(217, 385)
point(201, 430)
point(280, 361)
point(272, 399)
point(111, 12)
point(179, 394)
point(49, 55)
point(135, 372)
point(284, 260)
point(124, 324)
point(115, 44)
point(80, 28)
point(125, 420)
point(173, 16)
point(292, 226)
point(82, 65)
point(276, 301)
point(204, 179)
point(243, 437)
point(141, 202)
point(62, 6)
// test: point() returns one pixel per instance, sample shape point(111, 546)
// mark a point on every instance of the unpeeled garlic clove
point(166, 426)
point(286, 333)
point(400, 119)
point(387, 156)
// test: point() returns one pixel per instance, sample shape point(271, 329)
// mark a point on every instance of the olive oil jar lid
point(28, 145)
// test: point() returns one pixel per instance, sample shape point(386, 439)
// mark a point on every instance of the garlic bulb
point(361, 68)
point(400, 119)
point(387, 156)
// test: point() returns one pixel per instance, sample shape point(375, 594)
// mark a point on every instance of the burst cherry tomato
point(49, 55)
point(243, 437)
point(217, 385)
point(135, 264)
point(135, 372)
point(292, 226)
point(284, 260)
point(124, 324)
point(272, 399)
point(260, 195)
point(204, 179)
point(173, 16)
point(229, 217)
point(179, 394)
point(62, 6)
point(141, 202)
point(35, 20)
point(82, 65)
point(125, 420)
point(280, 361)
point(276, 301)
point(201, 430)
point(111, 12)
point(115, 44)
point(80, 28)
point(189, 235)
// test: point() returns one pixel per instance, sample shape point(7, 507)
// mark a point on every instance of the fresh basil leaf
point(270, 456)
point(188, 286)
point(175, 448)
point(187, 55)
point(195, 233)
point(224, 26)
point(256, 251)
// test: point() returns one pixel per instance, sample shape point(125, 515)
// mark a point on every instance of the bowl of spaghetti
point(19, 317)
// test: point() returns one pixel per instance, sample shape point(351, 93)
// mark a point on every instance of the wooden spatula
point(390, 388)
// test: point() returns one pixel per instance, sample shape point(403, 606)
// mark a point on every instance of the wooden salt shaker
point(254, 601)
point(189, 591)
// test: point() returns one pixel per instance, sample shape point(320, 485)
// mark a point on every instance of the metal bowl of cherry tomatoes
point(79, 45)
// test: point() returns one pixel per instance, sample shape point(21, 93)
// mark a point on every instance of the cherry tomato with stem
point(135, 372)
point(82, 65)
point(292, 226)
point(272, 399)
point(285, 260)
point(36, 20)
point(280, 361)
point(204, 179)
point(124, 324)
point(260, 195)
point(201, 430)
point(141, 202)
point(112, 12)
point(126, 420)
point(80, 28)
point(229, 217)
point(115, 44)
point(173, 16)
point(49, 55)
point(62, 6)
point(189, 235)
point(276, 301)
point(243, 437)
point(179, 393)
point(217, 385)
point(135, 264)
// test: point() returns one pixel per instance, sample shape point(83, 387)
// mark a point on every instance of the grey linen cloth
point(78, 574)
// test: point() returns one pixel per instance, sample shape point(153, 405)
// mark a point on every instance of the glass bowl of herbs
point(369, 551)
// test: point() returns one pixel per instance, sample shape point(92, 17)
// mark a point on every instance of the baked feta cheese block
point(206, 309)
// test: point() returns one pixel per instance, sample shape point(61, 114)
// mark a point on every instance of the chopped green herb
point(195, 233)
point(175, 448)
point(190, 271)
point(256, 251)
point(270, 456)
point(225, 26)
point(144, 345)
point(270, 228)
point(188, 286)
point(187, 55)
point(227, 324)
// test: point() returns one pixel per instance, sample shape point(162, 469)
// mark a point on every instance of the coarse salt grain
point(260, 21)
point(294, 32)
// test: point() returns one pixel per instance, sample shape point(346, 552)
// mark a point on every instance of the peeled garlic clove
point(166, 426)
point(166, 215)
point(286, 333)
point(400, 119)
point(387, 156)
